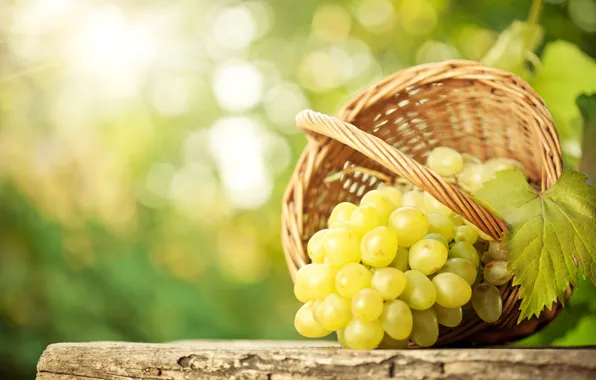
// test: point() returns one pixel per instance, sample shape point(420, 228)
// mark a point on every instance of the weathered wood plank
point(258, 360)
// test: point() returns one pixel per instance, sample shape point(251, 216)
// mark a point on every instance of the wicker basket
point(391, 126)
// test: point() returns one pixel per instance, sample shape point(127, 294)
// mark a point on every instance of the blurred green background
point(145, 147)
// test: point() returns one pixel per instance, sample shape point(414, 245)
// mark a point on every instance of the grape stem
point(353, 169)
point(533, 59)
point(535, 11)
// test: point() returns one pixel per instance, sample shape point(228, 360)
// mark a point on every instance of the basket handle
point(401, 164)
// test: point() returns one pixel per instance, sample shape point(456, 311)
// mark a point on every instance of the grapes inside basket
point(435, 210)
point(395, 267)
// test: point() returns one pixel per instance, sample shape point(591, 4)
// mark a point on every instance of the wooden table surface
point(274, 360)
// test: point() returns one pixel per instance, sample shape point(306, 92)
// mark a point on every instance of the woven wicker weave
point(391, 126)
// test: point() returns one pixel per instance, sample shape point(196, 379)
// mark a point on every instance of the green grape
point(352, 278)
point(448, 317)
point(379, 247)
point(314, 281)
point(472, 177)
point(470, 159)
point(433, 205)
point(427, 256)
point(413, 198)
point(341, 213)
point(445, 161)
point(389, 282)
point(305, 323)
point(466, 233)
point(364, 219)
point(482, 235)
point(341, 247)
point(401, 260)
point(496, 273)
point(487, 302)
point(410, 225)
point(397, 319)
point(441, 224)
point(466, 251)
point(419, 293)
point(495, 251)
point(343, 226)
point(461, 267)
point(301, 292)
point(377, 200)
point(438, 237)
point(425, 329)
point(452, 290)
point(388, 343)
point(486, 258)
point(495, 165)
point(393, 194)
point(367, 304)
point(333, 312)
point(315, 247)
point(457, 220)
point(361, 335)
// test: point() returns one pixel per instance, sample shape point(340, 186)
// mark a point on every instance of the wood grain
point(263, 360)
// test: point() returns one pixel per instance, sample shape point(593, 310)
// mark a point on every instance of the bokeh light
point(583, 13)
point(376, 15)
point(194, 191)
point(331, 23)
point(474, 42)
point(234, 27)
point(417, 17)
point(236, 144)
point(238, 86)
point(433, 51)
point(282, 103)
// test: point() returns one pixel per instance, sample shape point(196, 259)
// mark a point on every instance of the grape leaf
point(565, 73)
point(511, 49)
point(551, 234)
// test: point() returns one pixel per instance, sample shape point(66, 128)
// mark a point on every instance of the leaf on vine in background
point(572, 316)
point(552, 234)
point(566, 72)
point(587, 164)
point(582, 331)
point(510, 51)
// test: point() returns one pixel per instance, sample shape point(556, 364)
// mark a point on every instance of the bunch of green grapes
point(393, 268)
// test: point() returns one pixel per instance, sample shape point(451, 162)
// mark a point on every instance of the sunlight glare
point(109, 47)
